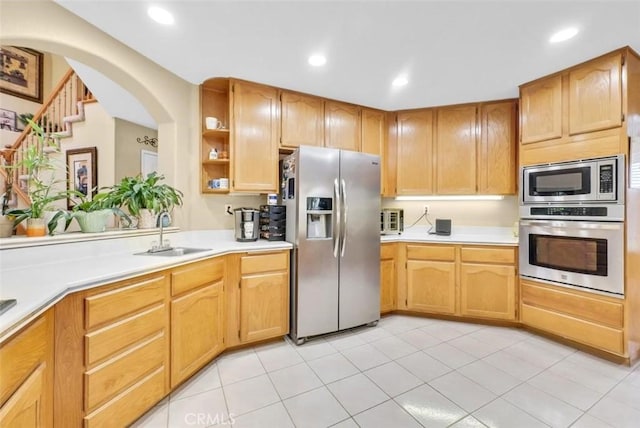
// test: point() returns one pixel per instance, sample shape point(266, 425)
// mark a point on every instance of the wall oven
point(591, 189)
point(584, 254)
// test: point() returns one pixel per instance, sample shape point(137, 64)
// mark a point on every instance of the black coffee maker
point(247, 224)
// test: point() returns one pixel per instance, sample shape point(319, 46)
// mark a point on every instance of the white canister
point(224, 183)
point(272, 199)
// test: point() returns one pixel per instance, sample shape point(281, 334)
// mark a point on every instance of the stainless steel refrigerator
point(333, 221)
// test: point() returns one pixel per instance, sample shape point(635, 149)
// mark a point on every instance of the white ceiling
point(452, 52)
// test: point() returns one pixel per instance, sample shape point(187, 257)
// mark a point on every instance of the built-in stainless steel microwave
point(584, 189)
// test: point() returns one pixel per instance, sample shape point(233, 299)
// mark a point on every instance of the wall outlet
point(426, 209)
point(228, 209)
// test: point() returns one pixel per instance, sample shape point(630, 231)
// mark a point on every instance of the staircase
point(63, 107)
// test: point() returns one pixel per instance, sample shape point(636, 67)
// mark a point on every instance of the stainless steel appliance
point(591, 189)
point(391, 221)
point(588, 255)
point(332, 199)
point(247, 222)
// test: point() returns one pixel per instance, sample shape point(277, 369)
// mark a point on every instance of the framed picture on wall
point(8, 119)
point(21, 73)
point(82, 173)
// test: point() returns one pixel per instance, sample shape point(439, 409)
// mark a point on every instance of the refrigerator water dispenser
point(319, 211)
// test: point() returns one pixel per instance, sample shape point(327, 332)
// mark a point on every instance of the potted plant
point(42, 185)
point(145, 197)
point(92, 215)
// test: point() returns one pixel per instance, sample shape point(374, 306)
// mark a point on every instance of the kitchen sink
point(6, 304)
point(173, 252)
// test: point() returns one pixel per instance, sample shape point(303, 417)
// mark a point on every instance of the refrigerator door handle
point(345, 208)
point(336, 218)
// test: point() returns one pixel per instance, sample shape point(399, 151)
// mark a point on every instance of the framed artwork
point(21, 73)
point(82, 173)
point(8, 119)
point(148, 162)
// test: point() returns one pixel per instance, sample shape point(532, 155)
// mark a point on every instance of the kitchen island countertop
point(38, 277)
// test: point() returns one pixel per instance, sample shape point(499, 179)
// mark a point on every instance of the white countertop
point(40, 276)
point(459, 235)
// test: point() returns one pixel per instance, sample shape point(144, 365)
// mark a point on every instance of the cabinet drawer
point(596, 309)
point(264, 262)
point(113, 305)
point(387, 251)
point(196, 274)
point(582, 331)
point(431, 252)
point(115, 375)
point(131, 403)
point(116, 337)
point(488, 255)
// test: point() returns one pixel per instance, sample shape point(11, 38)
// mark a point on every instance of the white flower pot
point(147, 219)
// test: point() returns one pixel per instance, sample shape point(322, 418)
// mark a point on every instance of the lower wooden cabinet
point(120, 348)
point(461, 280)
point(264, 296)
point(197, 317)
point(431, 286)
point(488, 282)
point(26, 376)
point(388, 277)
point(588, 318)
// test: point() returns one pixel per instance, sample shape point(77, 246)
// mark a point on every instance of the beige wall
point(502, 213)
point(127, 148)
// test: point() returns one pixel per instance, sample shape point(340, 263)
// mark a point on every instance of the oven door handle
point(554, 224)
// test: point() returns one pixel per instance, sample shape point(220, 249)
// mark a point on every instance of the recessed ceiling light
point(563, 35)
point(317, 60)
point(400, 81)
point(160, 15)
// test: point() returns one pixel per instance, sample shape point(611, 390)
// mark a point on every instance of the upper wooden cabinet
point(255, 137)
point(302, 120)
point(497, 165)
point(374, 140)
point(595, 95)
point(342, 126)
point(214, 102)
point(455, 150)
point(541, 107)
point(414, 152)
point(580, 112)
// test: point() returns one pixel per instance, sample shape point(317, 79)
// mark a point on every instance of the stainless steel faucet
point(161, 245)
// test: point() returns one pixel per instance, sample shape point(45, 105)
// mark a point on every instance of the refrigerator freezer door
point(360, 251)
point(316, 289)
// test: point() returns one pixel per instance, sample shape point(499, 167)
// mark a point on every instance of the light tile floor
point(407, 372)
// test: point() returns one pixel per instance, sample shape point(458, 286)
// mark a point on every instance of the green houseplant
point(92, 215)
point(145, 197)
point(43, 188)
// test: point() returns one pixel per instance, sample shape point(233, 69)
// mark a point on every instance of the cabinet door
point(497, 151)
point(456, 150)
point(415, 153)
point(302, 120)
point(387, 285)
point(196, 330)
point(255, 143)
point(487, 291)
point(541, 110)
point(342, 126)
point(374, 133)
point(264, 306)
point(26, 407)
point(431, 286)
point(595, 95)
